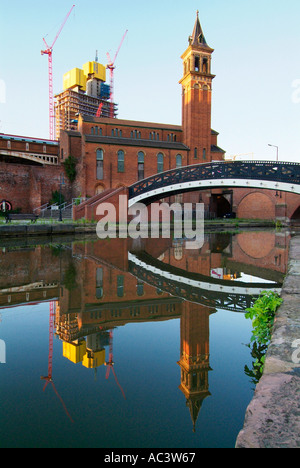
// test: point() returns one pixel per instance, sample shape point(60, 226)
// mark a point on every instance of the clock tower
point(197, 96)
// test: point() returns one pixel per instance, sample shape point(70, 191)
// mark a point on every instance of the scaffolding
point(72, 103)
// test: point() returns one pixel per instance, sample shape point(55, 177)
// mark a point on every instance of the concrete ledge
point(273, 416)
point(36, 230)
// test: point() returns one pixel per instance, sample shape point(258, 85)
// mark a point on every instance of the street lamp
point(277, 159)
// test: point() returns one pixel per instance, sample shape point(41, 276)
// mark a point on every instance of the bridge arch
point(277, 176)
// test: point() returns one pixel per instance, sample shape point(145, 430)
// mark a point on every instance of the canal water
point(130, 344)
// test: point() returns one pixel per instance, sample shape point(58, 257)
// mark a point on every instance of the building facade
point(112, 153)
point(115, 153)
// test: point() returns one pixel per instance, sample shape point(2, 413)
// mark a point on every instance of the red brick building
point(113, 153)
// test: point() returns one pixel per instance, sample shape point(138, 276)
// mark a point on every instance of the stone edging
point(273, 416)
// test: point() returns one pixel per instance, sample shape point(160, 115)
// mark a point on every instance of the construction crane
point(48, 378)
point(111, 67)
point(49, 51)
point(110, 364)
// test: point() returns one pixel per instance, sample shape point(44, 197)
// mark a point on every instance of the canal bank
point(16, 230)
point(273, 416)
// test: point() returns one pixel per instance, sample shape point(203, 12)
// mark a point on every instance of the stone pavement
point(273, 416)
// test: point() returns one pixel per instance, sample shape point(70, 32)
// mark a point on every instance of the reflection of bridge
point(281, 176)
point(210, 292)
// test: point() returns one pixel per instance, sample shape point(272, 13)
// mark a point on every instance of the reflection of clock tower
point(194, 357)
point(196, 95)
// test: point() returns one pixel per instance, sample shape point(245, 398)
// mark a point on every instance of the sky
point(256, 91)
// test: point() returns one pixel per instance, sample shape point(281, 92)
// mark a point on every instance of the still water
point(130, 344)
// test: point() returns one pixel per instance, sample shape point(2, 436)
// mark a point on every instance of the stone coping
point(273, 416)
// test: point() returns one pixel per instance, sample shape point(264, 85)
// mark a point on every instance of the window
point(116, 132)
point(121, 161)
point(99, 283)
point(99, 165)
point(178, 161)
point(205, 65)
point(204, 153)
point(120, 285)
point(8, 145)
point(196, 153)
point(197, 64)
point(140, 288)
point(160, 163)
point(141, 165)
point(27, 146)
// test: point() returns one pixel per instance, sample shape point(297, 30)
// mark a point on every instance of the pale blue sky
point(256, 97)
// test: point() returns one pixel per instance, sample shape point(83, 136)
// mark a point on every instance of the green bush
point(70, 168)
point(262, 315)
point(57, 198)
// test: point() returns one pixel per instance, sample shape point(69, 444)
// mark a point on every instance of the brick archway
point(256, 205)
point(296, 214)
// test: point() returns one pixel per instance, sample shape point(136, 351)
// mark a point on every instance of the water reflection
point(93, 288)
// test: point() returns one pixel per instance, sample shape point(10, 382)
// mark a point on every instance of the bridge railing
point(283, 172)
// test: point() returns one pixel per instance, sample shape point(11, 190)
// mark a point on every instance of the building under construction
point(84, 92)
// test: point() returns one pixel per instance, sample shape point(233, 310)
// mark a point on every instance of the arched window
point(120, 286)
point(121, 161)
point(141, 165)
point(160, 163)
point(99, 283)
point(99, 165)
point(178, 161)
point(140, 288)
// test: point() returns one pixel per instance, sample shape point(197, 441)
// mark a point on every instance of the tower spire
point(197, 38)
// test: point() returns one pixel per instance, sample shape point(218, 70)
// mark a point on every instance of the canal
point(130, 343)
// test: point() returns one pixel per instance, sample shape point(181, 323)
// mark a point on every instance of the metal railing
point(281, 172)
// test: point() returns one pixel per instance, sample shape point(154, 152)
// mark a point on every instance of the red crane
point(110, 364)
point(48, 51)
point(48, 379)
point(111, 67)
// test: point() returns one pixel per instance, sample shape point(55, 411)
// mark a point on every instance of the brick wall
point(29, 187)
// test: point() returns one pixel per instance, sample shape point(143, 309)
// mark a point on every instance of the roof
point(5, 136)
point(217, 149)
point(163, 145)
point(131, 123)
point(198, 38)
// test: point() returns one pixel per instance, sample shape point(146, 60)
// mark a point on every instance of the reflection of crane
point(48, 51)
point(111, 67)
point(48, 379)
point(110, 364)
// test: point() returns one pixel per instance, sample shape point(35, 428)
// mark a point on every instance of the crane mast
point(111, 67)
point(49, 51)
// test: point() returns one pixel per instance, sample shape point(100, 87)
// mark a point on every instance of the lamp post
point(61, 182)
point(277, 151)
